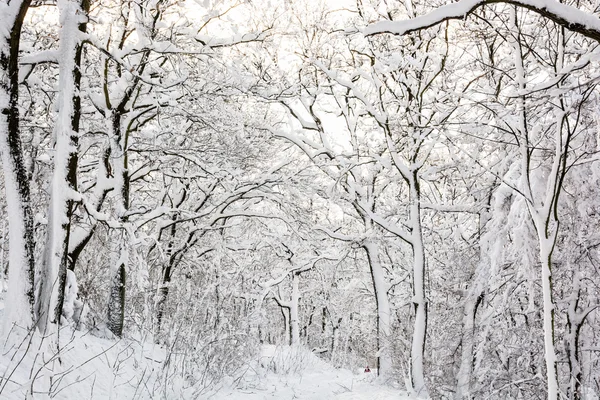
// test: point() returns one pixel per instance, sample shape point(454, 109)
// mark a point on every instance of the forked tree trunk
point(54, 265)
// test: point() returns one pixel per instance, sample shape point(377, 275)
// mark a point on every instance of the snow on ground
point(87, 367)
point(93, 368)
point(295, 373)
point(314, 385)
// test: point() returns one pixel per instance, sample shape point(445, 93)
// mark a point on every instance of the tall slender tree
point(21, 244)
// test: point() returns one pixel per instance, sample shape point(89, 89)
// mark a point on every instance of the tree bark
point(419, 298)
point(116, 307)
point(71, 257)
point(163, 294)
point(574, 324)
point(546, 249)
point(384, 358)
point(116, 303)
point(20, 297)
point(294, 323)
point(53, 274)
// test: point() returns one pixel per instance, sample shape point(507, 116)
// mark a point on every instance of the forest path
point(310, 379)
point(317, 385)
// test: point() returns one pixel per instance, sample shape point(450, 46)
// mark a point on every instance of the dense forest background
point(213, 176)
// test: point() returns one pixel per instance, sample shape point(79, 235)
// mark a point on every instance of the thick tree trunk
point(75, 124)
point(384, 359)
point(116, 307)
point(465, 370)
point(116, 302)
point(19, 309)
point(54, 268)
point(335, 338)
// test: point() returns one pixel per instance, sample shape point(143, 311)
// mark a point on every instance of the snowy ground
point(94, 368)
point(312, 379)
point(315, 385)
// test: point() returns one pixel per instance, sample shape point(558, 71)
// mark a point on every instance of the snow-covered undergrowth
point(89, 367)
point(285, 360)
point(83, 366)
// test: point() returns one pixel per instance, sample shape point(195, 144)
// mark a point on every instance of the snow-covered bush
point(285, 360)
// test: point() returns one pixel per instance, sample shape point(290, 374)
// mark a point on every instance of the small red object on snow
point(367, 369)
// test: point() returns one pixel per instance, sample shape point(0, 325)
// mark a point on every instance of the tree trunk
point(162, 294)
point(116, 307)
point(294, 324)
point(335, 339)
point(465, 370)
point(19, 309)
point(546, 249)
point(163, 290)
point(116, 302)
point(286, 324)
point(384, 359)
point(74, 155)
point(54, 268)
point(81, 236)
point(419, 299)
point(574, 324)
point(473, 301)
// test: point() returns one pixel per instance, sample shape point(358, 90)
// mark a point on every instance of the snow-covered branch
point(565, 15)
point(453, 208)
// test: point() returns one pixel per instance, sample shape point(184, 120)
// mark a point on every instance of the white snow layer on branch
point(51, 56)
point(454, 208)
point(212, 41)
point(568, 16)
